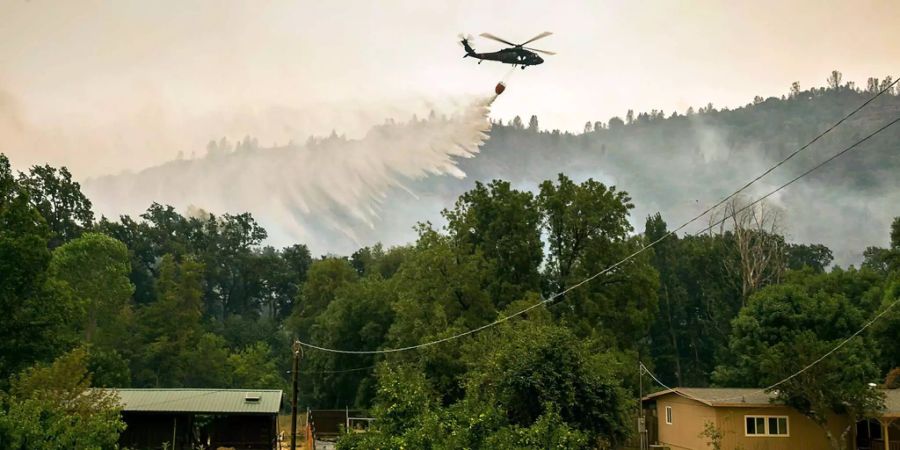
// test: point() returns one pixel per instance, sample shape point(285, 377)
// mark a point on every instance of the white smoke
point(324, 191)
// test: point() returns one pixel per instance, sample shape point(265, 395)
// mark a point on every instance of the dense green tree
point(297, 261)
point(276, 277)
point(887, 330)
point(207, 295)
point(209, 352)
point(525, 367)
point(530, 386)
point(548, 431)
point(94, 268)
point(170, 326)
point(376, 260)
point(505, 226)
point(52, 408)
point(228, 256)
point(59, 200)
point(440, 291)
point(254, 367)
point(814, 256)
point(786, 327)
point(669, 336)
point(227, 245)
point(408, 412)
point(144, 260)
point(587, 231)
point(323, 280)
point(358, 318)
point(108, 368)
point(885, 260)
point(31, 316)
point(437, 288)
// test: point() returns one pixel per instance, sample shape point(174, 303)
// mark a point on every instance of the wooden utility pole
point(642, 426)
point(294, 371)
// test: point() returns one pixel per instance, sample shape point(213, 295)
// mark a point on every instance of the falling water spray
point(316, 192)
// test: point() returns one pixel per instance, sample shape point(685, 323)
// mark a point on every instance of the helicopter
point(517, 55)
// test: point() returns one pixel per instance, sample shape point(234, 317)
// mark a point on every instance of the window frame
point(766, 418)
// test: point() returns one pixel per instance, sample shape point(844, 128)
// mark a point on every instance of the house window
point(778, 425)
point(766, 425)
point(669, 415)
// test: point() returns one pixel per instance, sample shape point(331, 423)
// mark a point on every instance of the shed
point(324, 426)
point(200, 418)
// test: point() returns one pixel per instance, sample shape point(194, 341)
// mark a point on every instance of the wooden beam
point(886, 433)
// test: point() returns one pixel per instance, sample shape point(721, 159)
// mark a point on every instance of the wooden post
point(642, 424)
point(886, 433)
point(294, 370)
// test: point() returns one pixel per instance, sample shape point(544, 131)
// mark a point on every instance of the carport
point(183, 419)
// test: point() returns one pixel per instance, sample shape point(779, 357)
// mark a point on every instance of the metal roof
point(202, 401)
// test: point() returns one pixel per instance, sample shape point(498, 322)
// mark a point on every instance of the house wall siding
point(688, 419)
point(804, 434)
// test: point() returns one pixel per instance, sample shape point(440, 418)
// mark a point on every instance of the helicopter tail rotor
point(464, 40)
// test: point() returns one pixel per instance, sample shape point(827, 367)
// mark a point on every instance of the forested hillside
point(677, 163)
point(337, 194)
point(170, 300)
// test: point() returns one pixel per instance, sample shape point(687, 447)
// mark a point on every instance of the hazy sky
point(109, 85)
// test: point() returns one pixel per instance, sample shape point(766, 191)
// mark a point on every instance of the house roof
point(720, 396)
point(755, 397)
point(201, 401)
point(892, 402)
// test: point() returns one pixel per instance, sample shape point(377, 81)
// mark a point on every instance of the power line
point(788, 378)
point(317, 372)
point(813, 169)
point(426, 344)
point(645, 370)
point(639, 251)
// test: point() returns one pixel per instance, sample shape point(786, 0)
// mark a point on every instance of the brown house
point(747, 419)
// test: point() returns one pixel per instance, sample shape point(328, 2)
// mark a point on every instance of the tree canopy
point(195, 299)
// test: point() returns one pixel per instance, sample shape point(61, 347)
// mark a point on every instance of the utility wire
point(813, 169)
point(791, 376)
point(645, 370)
point(317, 372)
point(632, 255)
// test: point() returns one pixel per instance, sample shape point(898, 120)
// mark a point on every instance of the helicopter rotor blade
point(540, 36)
point(539, 51)
point(491, 36)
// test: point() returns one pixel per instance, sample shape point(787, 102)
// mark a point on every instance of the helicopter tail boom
point(469, 50)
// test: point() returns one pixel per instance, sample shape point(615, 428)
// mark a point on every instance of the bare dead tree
point(759, 244)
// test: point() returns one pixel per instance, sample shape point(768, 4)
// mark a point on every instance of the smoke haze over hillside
point(337, 194)
point(128, 94)
point(330, 193)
